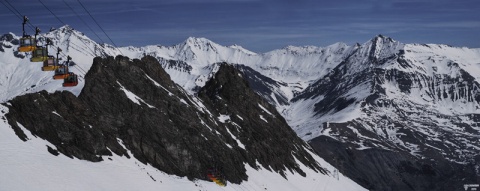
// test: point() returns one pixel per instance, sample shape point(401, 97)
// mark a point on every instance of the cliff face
point(254, 121)
point(399, 117)
point(135, 106)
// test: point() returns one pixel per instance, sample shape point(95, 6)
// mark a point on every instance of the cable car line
point(40, 53)
point(61, 71)
point(86, 24)
point(80, 49)
point(80, 69)
point(83, 21)
point(24, 18)
point(100, 27)
point(14, 8)
point(28, 44)
point(51, 12)
point(11, 10)
point(92, 51)
point(20, 16)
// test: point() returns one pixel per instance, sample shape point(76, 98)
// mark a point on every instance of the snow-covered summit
point(132, 116)
point(381, 94)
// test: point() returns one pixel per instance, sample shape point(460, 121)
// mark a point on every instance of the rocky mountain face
point(393, 121)
point(389, 115)
point(133, 106)
point(264, 86)
point(230, 95)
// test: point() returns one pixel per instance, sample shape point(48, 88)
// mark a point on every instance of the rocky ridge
point(133, 105)
point(414, 120)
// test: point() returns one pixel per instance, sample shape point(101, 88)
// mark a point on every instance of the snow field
point(31, 162)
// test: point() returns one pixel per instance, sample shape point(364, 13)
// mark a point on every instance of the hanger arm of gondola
point(25, 20)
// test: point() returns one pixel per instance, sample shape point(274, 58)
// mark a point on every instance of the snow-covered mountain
point(414, 107)
point(191, 63)
point(398, 80)
point(131, 119)
point(415, 100)
point(294, 67)
point(29, 166)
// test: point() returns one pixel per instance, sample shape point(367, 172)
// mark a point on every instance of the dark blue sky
point(260, 25)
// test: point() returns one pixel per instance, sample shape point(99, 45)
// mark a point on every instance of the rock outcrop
point(134, 107)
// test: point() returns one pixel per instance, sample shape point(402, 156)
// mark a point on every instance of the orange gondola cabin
point(62, 71)
point(70, 80)
point(27, 43)
point(215, 175)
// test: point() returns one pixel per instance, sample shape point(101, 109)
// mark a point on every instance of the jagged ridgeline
point(132, 106)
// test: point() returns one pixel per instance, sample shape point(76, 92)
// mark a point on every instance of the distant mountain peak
point(240, 48)
point(381, 47)
point(66, 31)
point(201, 44)
point(66, 27)
point(383, 39)
point(197, 40)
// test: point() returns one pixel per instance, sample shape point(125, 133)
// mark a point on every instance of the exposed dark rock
point(379, 169)
point(263, 85)
point(175, 64)
point(399, 141)
point(52, 151)
point(18, 55)
point(166, 127)
point(229, 93)
point(7, 37)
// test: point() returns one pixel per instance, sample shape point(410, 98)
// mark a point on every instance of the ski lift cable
point(11, 10)
point(17, 13)
point(100, 27)
point(93, 52)
point(66, 56)
point(21, 16)
point(52, 12)
point(63, 55)
point(13, 7)
point(86, 24)
point(83, 21)
point(80, 68)
point(80, 49)
point(80, 71)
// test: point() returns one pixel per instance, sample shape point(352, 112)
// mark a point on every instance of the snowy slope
point(296, 67)
point(409, 111)
point(30, 162)
point(191, 63)
point(371, 86)
point(392, 91)
point(119, 173)
point(20, 76)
